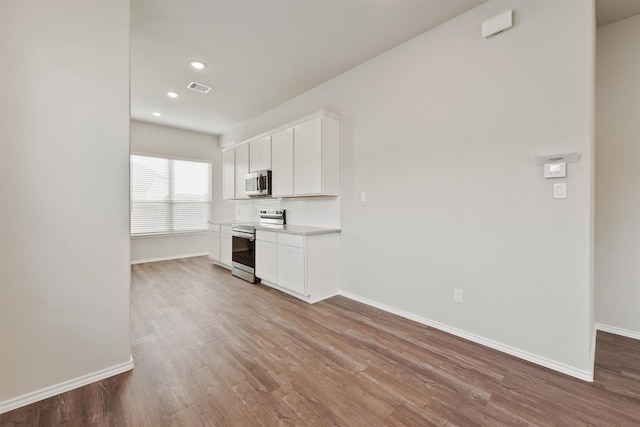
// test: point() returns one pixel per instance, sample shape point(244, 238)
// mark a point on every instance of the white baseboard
point(530, 357)
point(618, 331)
point(38, 395)
point(303, 298)
point(167, 258)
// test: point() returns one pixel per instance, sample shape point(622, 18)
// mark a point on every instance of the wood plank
point(213, 350)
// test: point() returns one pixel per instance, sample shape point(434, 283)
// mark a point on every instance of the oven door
point(243, 255)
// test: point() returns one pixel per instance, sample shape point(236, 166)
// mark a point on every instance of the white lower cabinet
point(266, 255)
point(225, 245)
point(220, 244)
point(214, 242)
point(291, 263)
point(303, 266)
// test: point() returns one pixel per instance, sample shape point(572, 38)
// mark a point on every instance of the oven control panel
point(272, 216)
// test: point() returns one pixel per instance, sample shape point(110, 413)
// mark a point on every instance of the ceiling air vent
point(199, 87)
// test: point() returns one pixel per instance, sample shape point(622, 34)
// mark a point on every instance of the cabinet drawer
point(291, 240)
point(214, 227)
point(266, 236)
point(225, 229)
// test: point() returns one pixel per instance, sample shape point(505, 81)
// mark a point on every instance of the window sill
point(176, 234)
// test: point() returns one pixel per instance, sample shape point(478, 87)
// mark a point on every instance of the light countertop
point(302, 230)
point(221, 222)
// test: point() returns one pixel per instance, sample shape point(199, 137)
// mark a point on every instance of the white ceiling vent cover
point(199, 87)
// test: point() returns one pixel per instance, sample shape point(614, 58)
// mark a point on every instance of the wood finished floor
point(212, 350)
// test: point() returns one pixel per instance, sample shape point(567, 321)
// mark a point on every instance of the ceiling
point(261, 53)
point(608, 11)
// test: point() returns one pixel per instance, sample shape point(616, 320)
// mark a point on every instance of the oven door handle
point(249, 237)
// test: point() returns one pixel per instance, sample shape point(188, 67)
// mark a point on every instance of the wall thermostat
point(555, 170)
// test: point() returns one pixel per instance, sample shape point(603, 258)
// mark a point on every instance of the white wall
point(64, 218)
point(158, 248)
point(167, 141)
point(441, 132)
point(618, 177)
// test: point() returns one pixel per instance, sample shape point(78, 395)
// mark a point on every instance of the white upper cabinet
point(303, 156)
point(316, 157)
point(242, 169)
point(282, 163)
point(228, 174)
point(307, 150)
point(260, 154)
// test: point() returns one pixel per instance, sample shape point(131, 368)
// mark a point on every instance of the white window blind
point(169, 195)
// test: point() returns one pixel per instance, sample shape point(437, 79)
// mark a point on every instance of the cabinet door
point(308, 158)
point(291, 268)
point(242, 169)
point(266, 260)
point(255, 155)
point(225, 249)
point(282, 163)
point(228, 174)
point(266, 152)
point(260, 154)
point(214, 246)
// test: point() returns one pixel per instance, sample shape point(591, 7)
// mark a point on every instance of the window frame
point(171, 186)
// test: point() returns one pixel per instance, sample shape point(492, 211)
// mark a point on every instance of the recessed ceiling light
point(197, 65)
point(172, 95)
point(155, 113)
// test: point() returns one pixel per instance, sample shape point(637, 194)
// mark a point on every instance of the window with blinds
point(169, 195)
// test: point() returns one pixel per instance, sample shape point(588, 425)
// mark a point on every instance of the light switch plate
point(560, 190)
point(363, 197)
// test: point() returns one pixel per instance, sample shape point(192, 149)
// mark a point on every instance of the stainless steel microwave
point(258, 184)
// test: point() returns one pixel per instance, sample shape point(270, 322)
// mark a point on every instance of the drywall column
point(618, 177)
point(64, 189)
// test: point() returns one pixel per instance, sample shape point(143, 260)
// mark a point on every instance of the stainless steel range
point(243, 254)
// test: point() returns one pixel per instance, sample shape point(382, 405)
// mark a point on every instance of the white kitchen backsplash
point(309, 211)
point(313, 211)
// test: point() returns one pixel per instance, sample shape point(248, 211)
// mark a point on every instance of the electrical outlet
point(457, 296)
